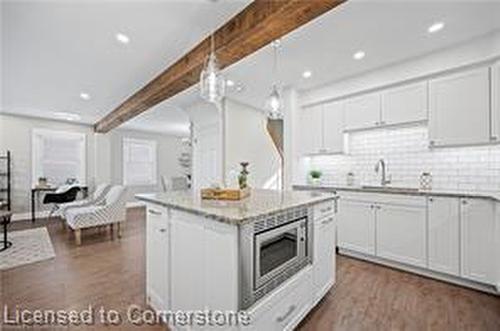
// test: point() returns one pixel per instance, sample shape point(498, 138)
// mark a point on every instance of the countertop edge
point(484, 196)
point(224, 219)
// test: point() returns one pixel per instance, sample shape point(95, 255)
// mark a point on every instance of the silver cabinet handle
point(372, 206)
point(163, 230)
point(378, 207)
point(328, 220)
point(464, 202)
point(154, 212)
point(432, 143)
point(287, 314)
point(382, 123)
point(431, 199)
point(494, 138)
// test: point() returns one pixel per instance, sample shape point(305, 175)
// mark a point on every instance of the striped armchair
point(97, 198)
point(110, 212)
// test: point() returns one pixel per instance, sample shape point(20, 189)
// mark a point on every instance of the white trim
point(81, 137)
point(147, 142)
point(135, 204)
point(27, 215)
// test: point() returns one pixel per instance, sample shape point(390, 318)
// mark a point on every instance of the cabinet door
point(478, 227)
point(444, 234)
point(333, 127)
point(362, 112)
point(495, 112)
point(324, 255)
point(157, 254)
point(188, 264)
point(460, 109)
point(401, 234)
point(356, 226)
point(405, 104)
point(311, 130)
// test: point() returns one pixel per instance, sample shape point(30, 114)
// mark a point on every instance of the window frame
point(37, 157)
point(141, 141)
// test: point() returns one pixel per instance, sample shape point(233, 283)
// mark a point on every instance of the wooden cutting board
point(224, 194)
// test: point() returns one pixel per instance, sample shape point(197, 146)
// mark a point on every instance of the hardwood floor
point(111, 273)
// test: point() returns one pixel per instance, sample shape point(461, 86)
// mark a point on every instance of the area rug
point(28, 246)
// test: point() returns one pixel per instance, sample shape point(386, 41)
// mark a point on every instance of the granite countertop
point(494, 196)
point(260, 202)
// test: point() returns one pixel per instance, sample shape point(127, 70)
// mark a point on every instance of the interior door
point(356, 226)
point(460, 109)
point(401, 233)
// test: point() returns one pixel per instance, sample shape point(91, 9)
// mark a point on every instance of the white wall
point(104, 154)
point(247, 140)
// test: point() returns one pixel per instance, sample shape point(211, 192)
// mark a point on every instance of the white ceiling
point(51, 51)
point(54, 50)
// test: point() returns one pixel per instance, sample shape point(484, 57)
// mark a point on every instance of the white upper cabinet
point(460, 108)
point(495, 111)
point(311, 130)
point(333, 127)
point(443, 234)
point(362, 112)
point(405, 104)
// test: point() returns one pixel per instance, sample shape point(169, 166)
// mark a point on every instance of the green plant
point(316, 174)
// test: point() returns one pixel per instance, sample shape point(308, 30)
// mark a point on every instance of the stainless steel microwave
point(272, 249)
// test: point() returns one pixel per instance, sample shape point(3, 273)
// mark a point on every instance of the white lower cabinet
point(401, 234)
point(477, 240)
point(452, 236)
point(356, 226)
point(157, 255)
point(324, 256)
point(443, 234)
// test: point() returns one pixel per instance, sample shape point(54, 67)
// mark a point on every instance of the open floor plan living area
point(250, 165)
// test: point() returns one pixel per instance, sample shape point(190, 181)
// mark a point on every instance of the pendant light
point(212, 84)
point(274, 103)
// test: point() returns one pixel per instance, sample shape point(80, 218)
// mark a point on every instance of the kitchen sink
point(389, 188)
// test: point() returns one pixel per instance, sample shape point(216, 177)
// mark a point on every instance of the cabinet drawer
point(324, 209)
point(284, 309)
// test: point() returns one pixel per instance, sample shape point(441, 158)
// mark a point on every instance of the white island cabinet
point(269, 258)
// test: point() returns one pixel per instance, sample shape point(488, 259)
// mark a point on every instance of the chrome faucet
point(381, 164)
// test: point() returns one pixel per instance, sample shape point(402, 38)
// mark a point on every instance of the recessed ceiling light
point(435, 27)
point(67, 116)
point(229, 83)
point(122, 38)
point(359, 55)
point(85, 96)
point(239, 88)
point(307, 74)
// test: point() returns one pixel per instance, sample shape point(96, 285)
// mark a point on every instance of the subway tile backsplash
point(407, 155)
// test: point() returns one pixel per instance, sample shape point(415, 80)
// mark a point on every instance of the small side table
point(5, 217)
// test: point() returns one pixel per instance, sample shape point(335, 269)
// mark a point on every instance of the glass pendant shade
point(212, 83)
point(274, 104)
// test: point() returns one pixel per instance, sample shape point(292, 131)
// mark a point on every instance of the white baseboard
point(27, 216)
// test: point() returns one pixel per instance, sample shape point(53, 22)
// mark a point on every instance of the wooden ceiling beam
point(260, 23)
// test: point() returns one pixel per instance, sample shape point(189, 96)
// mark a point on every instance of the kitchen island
point(270, 255)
